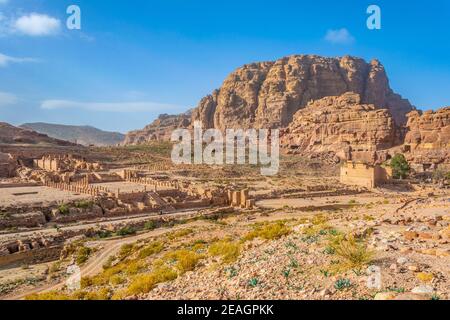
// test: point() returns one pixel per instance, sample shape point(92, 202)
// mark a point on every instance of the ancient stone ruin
point(65, 163)
point(364, 175)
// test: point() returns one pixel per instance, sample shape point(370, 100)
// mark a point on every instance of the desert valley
point(360, 207)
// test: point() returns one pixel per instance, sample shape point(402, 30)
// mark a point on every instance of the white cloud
point(36, 25)
point(109, 106)
point(339, 36)
point(7, 99)
point(6, 60)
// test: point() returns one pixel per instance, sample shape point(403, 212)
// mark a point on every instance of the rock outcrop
point(160, 130)
point(340, 124)
point(428, 137)
point(268, 94)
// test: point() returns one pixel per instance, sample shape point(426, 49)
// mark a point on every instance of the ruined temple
point(365, 175)
point(65, 163)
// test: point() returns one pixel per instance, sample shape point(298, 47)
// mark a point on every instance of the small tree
point(400, 167)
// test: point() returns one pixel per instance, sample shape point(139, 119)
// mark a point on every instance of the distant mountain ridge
point(84, 135)
point(12, 135)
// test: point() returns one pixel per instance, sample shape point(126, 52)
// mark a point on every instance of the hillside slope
point(84, 135)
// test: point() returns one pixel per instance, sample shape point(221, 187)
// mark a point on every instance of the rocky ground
point(392, 247)
point(303, 266)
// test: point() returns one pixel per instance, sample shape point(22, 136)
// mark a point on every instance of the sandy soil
point(35, 195)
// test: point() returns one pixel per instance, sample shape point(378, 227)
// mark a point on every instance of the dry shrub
point(151, 249)
point(50, 296)
point(179, 234)
point(134, 267)
point(229, 251)
point(145, 283)
point(270, 231)
point(185, 260)
point(354, 252)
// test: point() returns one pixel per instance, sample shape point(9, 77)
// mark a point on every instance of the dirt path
point(95, 265)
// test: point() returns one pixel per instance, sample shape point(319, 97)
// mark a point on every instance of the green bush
point(126, 231)
point(150, 225)
point(84, 204)
point(64, 209)
point(83, 254)
point(400, 167)
point(342, 284)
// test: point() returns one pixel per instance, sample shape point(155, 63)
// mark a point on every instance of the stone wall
point(41, 255)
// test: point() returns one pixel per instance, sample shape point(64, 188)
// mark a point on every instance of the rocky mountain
point(84, 135)
point(268, 94)
point(325, 104)
point(340, 124)
point(160, 130)
point(14, 135)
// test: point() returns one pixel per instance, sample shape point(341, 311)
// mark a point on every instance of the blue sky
point(135, 59)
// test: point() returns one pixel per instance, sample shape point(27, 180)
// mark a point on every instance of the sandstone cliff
point(160, 130)
point(340, 124)
point(268, 94)
point(428, 137)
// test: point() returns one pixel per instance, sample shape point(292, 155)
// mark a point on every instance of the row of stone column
point(93, 191)
point(82, 182)
point(151, 182)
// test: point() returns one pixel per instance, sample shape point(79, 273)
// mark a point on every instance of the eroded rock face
point(160, 130)
point(340, 124)
point(268, 94)
point(430, 130)
point(428, 137)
